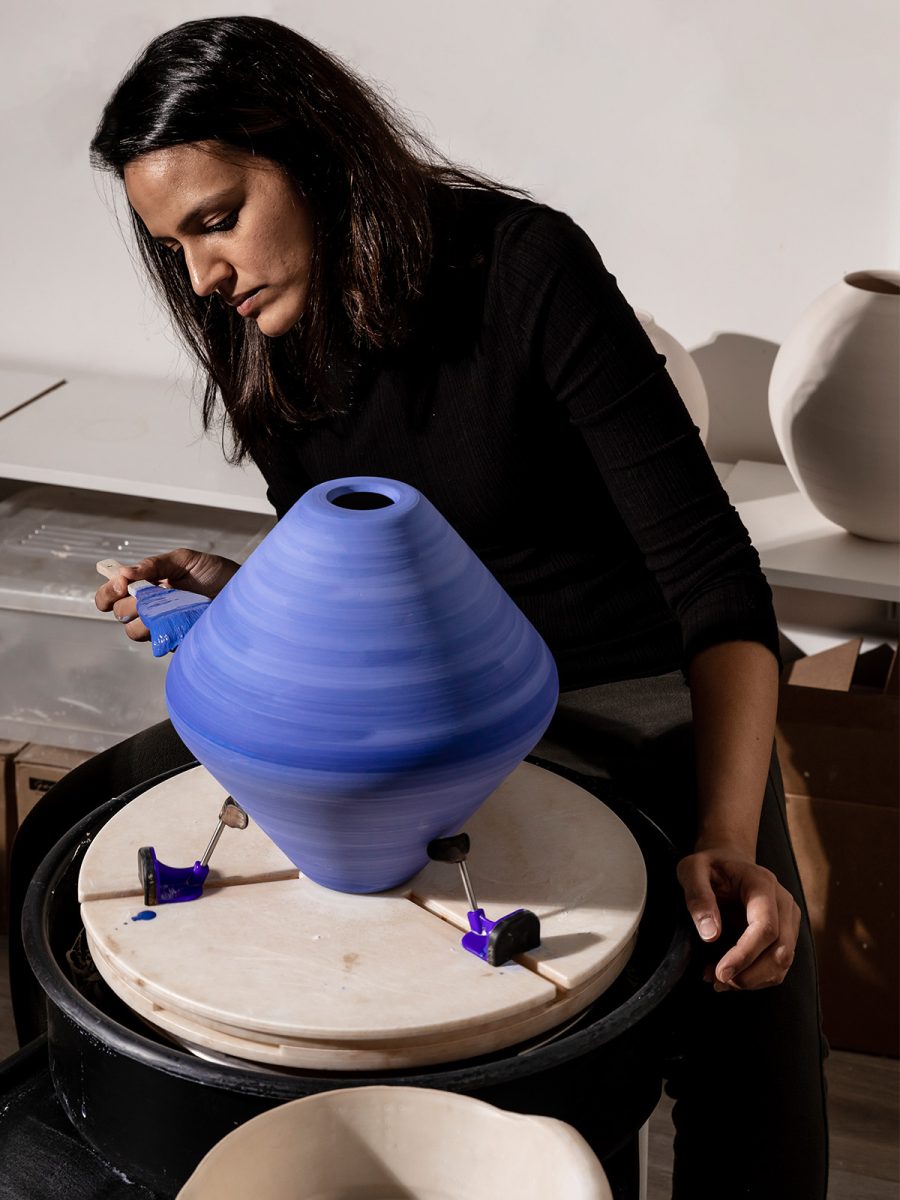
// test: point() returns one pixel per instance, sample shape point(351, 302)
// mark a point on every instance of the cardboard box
point(8, 751)
point(838, 728)
point(31, 770)
point(27, 770)
point(37, 768)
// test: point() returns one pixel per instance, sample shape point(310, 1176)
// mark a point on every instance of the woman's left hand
point(765, 950)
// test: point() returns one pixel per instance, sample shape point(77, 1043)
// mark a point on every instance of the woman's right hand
point(189, 570)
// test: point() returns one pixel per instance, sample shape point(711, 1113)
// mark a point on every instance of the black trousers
point(745, 1069)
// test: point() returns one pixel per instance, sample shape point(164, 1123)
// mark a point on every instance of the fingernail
point(125, 620)
point(727, 975)
point(707, 928)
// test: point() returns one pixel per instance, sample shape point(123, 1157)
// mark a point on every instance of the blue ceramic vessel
point(362, 684)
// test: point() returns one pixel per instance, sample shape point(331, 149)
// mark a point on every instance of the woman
point(360, 306)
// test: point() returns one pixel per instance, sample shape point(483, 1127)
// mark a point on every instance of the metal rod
point(467, 884)
point(213, 842)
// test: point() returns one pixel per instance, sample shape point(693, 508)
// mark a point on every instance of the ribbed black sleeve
point(532, 410)
point(600, 366)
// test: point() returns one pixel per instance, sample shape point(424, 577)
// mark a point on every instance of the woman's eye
point(224, 225)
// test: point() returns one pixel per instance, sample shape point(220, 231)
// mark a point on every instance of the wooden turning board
point(271, 967)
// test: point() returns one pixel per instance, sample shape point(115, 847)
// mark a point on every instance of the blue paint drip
point(146, 915)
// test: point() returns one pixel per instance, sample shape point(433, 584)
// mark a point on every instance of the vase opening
point(885, 282)
point(359, 500)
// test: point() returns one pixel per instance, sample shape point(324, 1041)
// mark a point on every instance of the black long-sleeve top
point(532, 410)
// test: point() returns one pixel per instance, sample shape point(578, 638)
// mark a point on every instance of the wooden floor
point(863, 1113)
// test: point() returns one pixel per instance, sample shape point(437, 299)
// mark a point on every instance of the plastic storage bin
point(69, 675)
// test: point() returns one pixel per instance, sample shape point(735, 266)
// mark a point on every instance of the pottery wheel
point(270, 967)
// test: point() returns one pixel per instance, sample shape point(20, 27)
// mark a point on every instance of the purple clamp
point(496, 942)
point(169, 885)
point(172, 885)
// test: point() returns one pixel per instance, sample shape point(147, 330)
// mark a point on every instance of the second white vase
point(834, 401)
point(684, 371)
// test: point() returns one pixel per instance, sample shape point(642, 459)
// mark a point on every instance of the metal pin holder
point(496, 942)
point(163, 884)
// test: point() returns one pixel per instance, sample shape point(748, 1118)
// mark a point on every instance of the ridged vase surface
point(362, 684)
point(834, 401)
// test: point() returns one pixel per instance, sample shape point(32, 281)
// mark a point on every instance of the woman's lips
point(246, 306)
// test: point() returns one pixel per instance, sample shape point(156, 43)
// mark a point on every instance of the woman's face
point(240, 225)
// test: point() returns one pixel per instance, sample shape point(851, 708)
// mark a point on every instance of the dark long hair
point(369, 179)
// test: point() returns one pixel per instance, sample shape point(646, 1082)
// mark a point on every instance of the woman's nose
point(206, 271)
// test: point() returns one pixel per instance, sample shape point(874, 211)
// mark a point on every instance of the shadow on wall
point(736, 370)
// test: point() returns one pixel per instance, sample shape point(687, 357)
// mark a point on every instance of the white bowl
point(397, 1143)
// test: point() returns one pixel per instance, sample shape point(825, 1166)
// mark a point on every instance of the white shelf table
point(134, 437)
point(799, 548)
point(140, 437)
point(18, 388)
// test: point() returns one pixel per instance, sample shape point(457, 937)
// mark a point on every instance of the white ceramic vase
point(834, 401)
point(684, 371)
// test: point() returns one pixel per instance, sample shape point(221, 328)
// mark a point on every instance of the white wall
point(731, 162)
